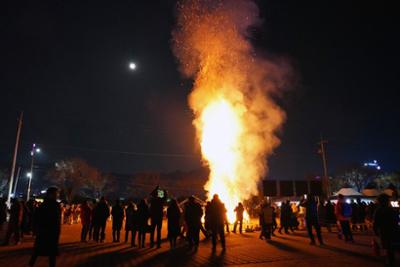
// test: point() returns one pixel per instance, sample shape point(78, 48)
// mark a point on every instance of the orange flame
point(236, 117)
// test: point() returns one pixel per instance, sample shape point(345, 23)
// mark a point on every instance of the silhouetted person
point(362, 213)
point(330, 217)
point(143, 217)
point(285, 217)
point(91, 228)
point(312, 219)
point(135, 225)
point(193, 214)
point(25, 223)
point(129, 217)
point(86, 220)
point(386, 227)
point(239, 210)
point(156, 217)
point(100, 215)
point(217, 221)
point(14, 224)
point(3, 212)
point(47, 227)
point(343, 214)
point(174, 227)
point(354, 215)
point(117, 213)
point(266, 220)
point(370, 211)
point(31, 208)
point(207, 219)
point(68, 214)
point(274, 223)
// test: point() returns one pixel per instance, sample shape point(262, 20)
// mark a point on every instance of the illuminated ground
point(245, 250)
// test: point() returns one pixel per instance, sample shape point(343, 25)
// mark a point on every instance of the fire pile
point(235, 115)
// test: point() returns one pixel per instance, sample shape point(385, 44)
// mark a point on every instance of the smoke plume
point(211, 41)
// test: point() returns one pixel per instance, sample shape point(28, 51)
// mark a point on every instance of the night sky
point(65, 63)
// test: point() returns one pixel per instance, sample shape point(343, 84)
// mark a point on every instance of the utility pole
point(325, 179)
point(11, 181)
point(34, 151)
point(30, 175)
point(16, 181)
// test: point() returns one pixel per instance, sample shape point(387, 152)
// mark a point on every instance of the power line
point(168, 187)
point(132, 153)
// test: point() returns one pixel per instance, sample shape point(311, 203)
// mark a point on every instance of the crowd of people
point(312, 213)
point(189, 218)
point(358, 214)
point(21, 218)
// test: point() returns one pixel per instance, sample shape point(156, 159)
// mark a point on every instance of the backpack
point(346, 210)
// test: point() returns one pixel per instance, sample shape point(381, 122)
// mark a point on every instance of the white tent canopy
point(347, 191)
point(371, 192)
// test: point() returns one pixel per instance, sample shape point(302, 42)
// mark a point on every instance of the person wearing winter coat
point(285, 215)
point(14, 224)
point(129, 216)
point(386, 226)
point(267, 218)
point(217, 221)
point(156, 217)
point(143, 218)
point(86, 220)
point(193, 214)
point(343, 213)
point(312, 221)
point(239, 210)
point(47, 228)
point(100, 215)
point(117, 213)
point(174, 227)
point(330, 217)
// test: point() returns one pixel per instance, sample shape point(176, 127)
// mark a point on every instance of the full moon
point(132, 66)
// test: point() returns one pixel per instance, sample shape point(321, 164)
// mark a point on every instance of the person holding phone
point(156, 215)
point(312, 221)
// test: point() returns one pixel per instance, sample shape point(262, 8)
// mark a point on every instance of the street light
point(34, 151)
point(132, 65)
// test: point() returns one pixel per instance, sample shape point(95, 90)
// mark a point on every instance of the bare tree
point(336, 183)
point(355, 179)
point(384, 180)
point(72, 175)
point(98, 184)
point(355, 176)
